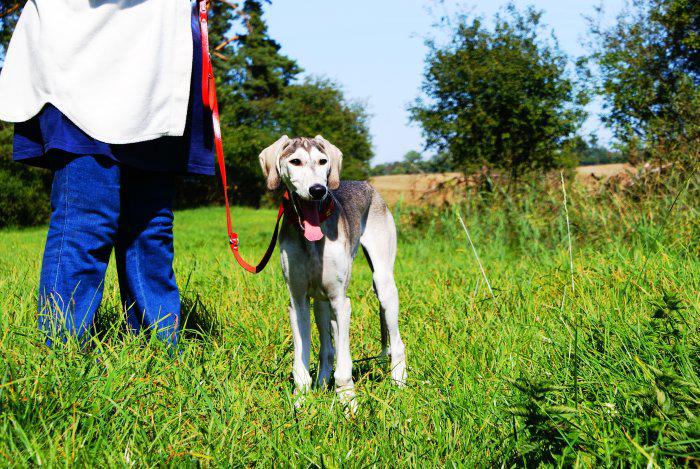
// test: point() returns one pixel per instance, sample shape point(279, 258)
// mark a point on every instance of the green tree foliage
point(251, 76)
point(317, 106)
point(414, 163)
point(24, 198)
point(648, 65)
point(499, 96)
point(23, 191)
point(260, 73)
point(591, 152)
point(412, 157)
point(9, 14)
point(262, 98)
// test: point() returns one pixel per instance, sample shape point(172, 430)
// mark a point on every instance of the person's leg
point(144, 253)
point(84, 213)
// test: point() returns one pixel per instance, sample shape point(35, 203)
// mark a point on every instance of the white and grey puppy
point(317, 258)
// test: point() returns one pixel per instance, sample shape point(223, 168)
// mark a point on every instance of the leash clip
point(233, 241)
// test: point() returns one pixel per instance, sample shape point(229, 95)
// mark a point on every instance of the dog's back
point(358, 201)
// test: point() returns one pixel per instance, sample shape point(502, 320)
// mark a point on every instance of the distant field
point(415, 188)
point(604, 372)
point(419, 188)
point(603, 170)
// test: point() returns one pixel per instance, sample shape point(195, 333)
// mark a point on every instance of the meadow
point(585, 359)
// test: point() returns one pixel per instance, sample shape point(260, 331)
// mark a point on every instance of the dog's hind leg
point(379, 245)
point(384, 331)
point(326, 354)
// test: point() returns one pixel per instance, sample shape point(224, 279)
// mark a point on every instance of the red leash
point(210, 102)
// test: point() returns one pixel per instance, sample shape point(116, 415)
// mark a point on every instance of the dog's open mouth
point(309, 218)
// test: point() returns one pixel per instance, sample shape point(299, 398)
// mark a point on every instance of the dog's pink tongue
point(311, 221)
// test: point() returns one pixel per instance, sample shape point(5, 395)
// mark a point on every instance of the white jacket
point(119, 69)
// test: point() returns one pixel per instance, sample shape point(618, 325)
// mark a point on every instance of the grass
point(608, 374)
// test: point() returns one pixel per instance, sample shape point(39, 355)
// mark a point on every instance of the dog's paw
point(351, 408)
point(299, 401)
point(347, 398)
point(399, 375)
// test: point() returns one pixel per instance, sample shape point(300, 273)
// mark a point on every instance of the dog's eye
point(295, 162)
point(322, 162)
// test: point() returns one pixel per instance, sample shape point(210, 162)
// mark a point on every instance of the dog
point(326, 221)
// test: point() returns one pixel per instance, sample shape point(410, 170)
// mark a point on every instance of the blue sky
point(375, 50)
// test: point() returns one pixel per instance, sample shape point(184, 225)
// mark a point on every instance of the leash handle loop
point(210, 102)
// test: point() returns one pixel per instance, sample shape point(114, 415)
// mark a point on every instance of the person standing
point(107, 95)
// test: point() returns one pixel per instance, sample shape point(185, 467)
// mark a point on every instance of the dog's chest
point(321, 269)
point(315, 285)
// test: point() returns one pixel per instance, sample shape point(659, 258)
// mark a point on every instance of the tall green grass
point(607, 373)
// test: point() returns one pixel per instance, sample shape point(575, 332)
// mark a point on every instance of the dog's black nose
point(317, 191)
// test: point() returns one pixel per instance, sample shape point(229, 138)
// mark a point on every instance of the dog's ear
point(269, 162)
point(336, 157)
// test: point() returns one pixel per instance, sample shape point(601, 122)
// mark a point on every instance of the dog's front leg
point(340, 324)
point(326, 353)
point(299, 317)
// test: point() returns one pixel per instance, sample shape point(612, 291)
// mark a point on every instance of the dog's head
point(308, 167)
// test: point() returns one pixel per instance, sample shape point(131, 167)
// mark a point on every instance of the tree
point(317, 106)
point(262, 99)
point(23, 191)
point(261, 72)
point(412, 158)
point(252, 76)
point(413, 163)
point(592, 153)
point(9, 14)
point(500, 97)
point(648, 70)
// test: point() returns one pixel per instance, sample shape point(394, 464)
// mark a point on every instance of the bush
point(529, 217)
point(24, 192)
point(24, 199)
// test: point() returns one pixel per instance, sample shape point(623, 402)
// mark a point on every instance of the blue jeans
point(97, 205)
